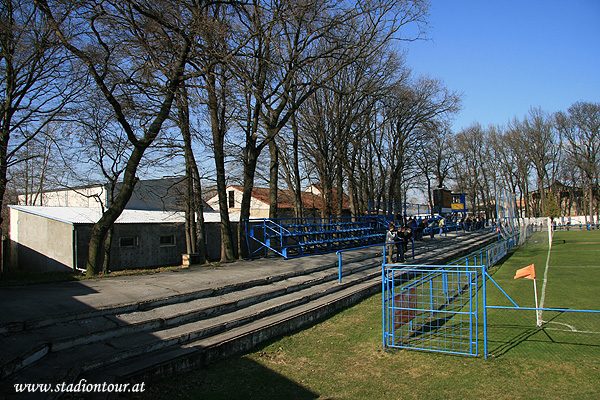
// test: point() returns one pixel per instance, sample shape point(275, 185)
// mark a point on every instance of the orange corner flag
point(527, 272)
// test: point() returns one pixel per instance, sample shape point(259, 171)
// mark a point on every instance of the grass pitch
point(570, 281)
point(342, 357)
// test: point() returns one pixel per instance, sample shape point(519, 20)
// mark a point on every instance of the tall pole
point(497, 210)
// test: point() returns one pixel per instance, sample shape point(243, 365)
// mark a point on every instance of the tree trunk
point(100, 228)
point(184, 127)
point(198, 211)
point(107, 245)
point(298, 206)
point(195, 230)
point(273, 179)
point(250, 160)
point(218, 134)
point(190, 228)
point(339, 190)
point(591, 191)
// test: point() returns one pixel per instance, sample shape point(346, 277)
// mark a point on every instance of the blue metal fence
point(568, 227)
point(431, 308)
point(435, 308)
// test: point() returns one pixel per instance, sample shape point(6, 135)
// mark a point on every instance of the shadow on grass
point(504, 347)
point(237, 378)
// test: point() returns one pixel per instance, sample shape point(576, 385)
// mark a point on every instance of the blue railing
point(295, 237)
point(588, 226)
point(339, 254)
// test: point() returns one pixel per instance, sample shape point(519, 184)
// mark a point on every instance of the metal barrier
point(295, 237)
point(514, 306)
point(567, 227)
point(431, 308)
point(339, 254)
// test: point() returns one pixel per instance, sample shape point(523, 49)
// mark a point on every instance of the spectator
point(399, 241)
point(390, 238)
point(420, 228)
point(408, 236)
point(413, 227)
point(431, 224)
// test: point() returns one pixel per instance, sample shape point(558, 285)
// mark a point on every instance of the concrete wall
point(146, 251)
point(213, 235)
point(40, 243)
point(44, 244)
point(82, 197)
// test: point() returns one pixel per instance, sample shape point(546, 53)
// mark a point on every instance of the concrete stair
point(138, 342)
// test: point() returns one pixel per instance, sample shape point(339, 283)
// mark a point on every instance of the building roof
point(285, 198)
point(84, 215)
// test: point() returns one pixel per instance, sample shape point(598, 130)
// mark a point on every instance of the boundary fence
point(435, 308)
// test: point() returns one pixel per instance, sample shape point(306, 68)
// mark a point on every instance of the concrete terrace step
point(179, 332)
point(234, 341)
point(127, 307)
point(103, 352)
point(26, 347)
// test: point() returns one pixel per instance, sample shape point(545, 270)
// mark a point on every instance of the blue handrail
point(339, 254)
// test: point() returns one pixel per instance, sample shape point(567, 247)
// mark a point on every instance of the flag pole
point(537, 312)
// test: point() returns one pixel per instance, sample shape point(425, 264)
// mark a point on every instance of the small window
point(128, 241)
point(167, 240)
point(231, 198)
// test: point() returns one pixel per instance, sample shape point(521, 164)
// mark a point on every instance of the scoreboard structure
point(446, 202)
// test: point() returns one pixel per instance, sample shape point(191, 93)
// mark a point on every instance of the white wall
point(84, 197)
point(40, 243)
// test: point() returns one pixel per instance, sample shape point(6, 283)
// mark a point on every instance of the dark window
point(128, 241)
point(167, 240)
point(231, 194)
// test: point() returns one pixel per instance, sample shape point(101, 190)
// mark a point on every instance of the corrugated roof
point(81, 215)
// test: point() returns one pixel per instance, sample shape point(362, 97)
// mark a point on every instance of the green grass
point(572, 283)
point(342, 357)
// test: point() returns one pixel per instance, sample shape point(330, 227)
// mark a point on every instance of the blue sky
point(508, 56)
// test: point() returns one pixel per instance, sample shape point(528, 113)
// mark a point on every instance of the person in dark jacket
point(408, 236)
point(399, 242)
point(413, 227)
point(420, 228)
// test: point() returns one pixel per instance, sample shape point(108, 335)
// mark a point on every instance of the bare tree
point(195, 230)
point(411, 112)
point(470, 146)
point(581, 128)
point(286, 64)
point(121, 45)
point(36, 83)
point(435, 156)
point(541, 144)
point(40, 165)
